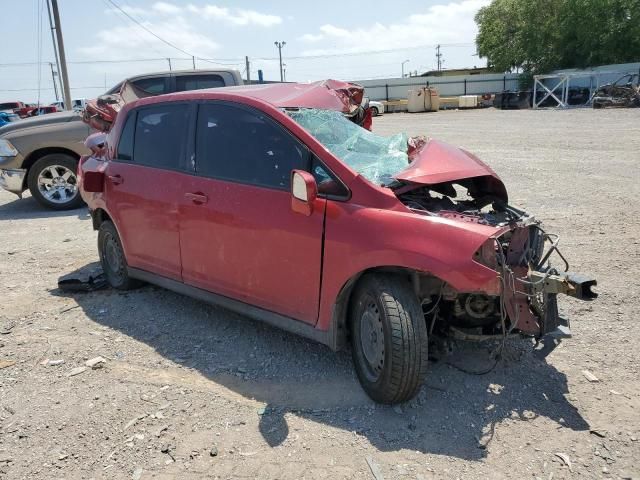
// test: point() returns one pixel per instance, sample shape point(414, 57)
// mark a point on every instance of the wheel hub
point(372, 339)
point(58, 184)
point(111, 255)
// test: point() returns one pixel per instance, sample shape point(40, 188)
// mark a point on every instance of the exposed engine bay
point(520, 253)
point(463, 200)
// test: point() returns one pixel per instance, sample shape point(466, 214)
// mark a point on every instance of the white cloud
point(166, 8)
point(237, 17)
point(131, 41)
point(445, 23)
point(311, 37)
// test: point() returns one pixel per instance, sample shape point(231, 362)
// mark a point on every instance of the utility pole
point(53, 77)
point(246, 61)
point(66, 91)
point(280, 45)
point(406, 61)
point(169, 60)
point(193, 60)
point(62, 66)
point(55, 51)
point(439, 57)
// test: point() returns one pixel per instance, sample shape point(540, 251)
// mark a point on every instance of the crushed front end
point(524, 257)
point(530, 269)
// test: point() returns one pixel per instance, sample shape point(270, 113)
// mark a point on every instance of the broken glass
point(375, 157)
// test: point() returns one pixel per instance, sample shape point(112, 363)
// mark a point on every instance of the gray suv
point(41, 154)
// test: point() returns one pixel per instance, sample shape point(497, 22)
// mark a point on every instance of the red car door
point(238, 234)
point(145, 183)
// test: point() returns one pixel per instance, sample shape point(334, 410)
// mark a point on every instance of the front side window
point(161, 136)
point(198, 82)
point(246, 146)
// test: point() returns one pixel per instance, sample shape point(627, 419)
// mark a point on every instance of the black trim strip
point(274, 319)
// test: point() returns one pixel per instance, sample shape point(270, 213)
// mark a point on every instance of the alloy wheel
point(58, 184)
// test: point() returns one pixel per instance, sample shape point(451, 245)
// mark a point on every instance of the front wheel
point(389, 338)
point(112, 258)
point(53, 182)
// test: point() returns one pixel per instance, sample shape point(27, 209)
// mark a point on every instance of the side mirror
point(304, 191)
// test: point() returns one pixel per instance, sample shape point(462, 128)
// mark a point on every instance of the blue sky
point(323, 39)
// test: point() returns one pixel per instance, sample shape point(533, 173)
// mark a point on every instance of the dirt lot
point(193, 391)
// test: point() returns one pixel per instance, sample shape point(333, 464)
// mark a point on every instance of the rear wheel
point(114, 263)
point(389, 338)
point(53, 182)
point(374, 111)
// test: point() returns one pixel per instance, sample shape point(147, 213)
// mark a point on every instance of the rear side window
point(125, 144)
point(161, 136)
point(154, 86)
point(245, 146)
point(198, 82)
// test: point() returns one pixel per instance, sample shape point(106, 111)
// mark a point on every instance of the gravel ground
point(194, 391)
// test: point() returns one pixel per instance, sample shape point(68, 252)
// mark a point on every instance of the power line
point(190, 55)
point(135, 33)
point(239, 61)
point(369, 52)
point(101, 87)
point(149, 30)
point(136, 60)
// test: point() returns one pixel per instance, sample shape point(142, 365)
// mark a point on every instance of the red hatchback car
point(268, 200)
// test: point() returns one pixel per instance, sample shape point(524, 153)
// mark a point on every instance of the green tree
point(541, 35)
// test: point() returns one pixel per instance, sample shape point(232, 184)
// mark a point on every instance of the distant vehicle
point(377, 108)
point(77, 104)
point(31, 110)
point(624, 92)
point(6, 118)
point(11, 107)
point(42, 153)
point(43, 110)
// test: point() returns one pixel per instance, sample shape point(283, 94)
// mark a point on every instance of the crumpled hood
point(434, 162)
point(100, 113)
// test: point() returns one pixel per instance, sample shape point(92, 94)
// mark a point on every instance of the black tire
point(374, 111)
point(395, 373)
point(112, 258)
point(44, 165)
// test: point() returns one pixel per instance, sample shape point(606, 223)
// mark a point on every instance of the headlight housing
point(6, 149)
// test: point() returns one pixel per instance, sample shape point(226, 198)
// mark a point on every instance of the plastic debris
point(565, 458)
point(83, 280)
point(7, 363)
point(95, 362)
point(76, 371)
point(590, 376)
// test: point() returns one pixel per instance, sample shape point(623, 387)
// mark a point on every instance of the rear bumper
point(12, 180)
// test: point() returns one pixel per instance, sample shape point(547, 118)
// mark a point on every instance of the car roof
point(325, 94)
point(166, 73)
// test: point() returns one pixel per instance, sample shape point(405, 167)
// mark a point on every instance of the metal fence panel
point(448, 86)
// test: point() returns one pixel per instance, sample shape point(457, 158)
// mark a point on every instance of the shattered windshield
point(375, 157)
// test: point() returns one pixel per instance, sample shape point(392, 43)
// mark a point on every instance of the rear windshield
point(375, 157)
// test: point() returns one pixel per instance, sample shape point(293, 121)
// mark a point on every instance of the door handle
point(116, 179)
point(197, 198)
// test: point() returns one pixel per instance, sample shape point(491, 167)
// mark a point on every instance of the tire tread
point(409, 355)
